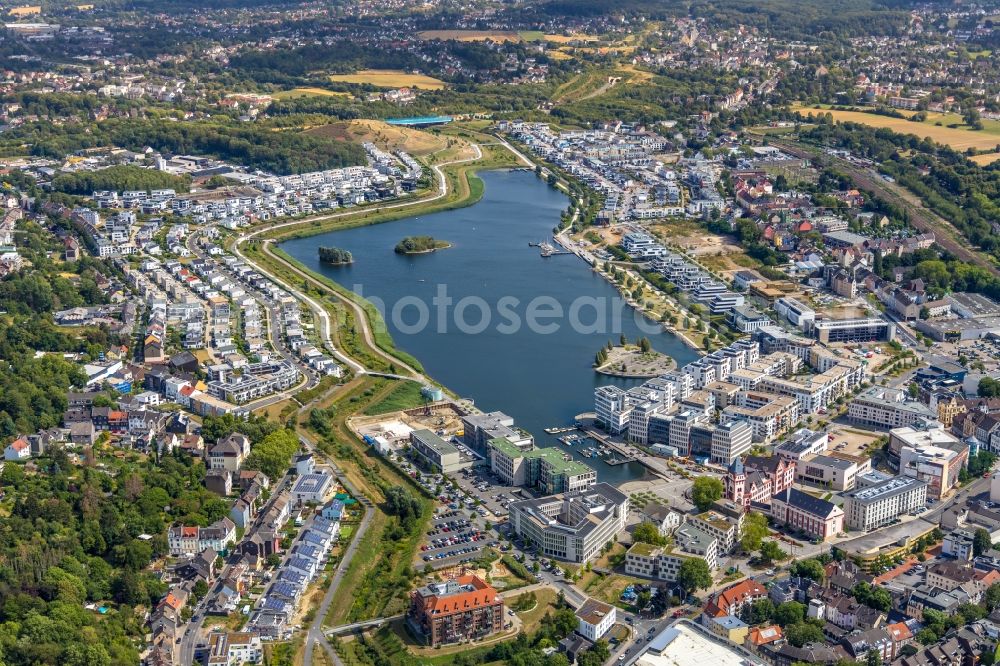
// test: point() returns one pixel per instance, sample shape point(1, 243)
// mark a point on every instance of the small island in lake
point(628, 360)
point(335, 255)
point(420, 245)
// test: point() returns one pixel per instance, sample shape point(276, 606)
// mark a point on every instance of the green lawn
point(406, 395)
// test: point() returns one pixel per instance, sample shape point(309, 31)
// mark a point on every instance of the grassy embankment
point(379, 574)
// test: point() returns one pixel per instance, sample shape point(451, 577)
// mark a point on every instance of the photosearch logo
point(508, 315)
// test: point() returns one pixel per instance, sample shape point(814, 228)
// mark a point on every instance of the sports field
point(956, 137)
point(390, 78)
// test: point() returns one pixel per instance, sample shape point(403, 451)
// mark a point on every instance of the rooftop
point(884, 489)
point(684, 644)
point(593, 611)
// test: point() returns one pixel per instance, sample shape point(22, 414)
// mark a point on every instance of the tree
point(992, 597)
point(694, 574)
point(804, 632)
point(273, 455)
point(705, 491)
point(647, 533)
point(754, 531)
point(790, 612)
point(770, 551)
point(645, 345)
point(874, 658)
point(760, 611)
point(401, 503)
point(981, 542)
point(988, 388)
point(872, 596)
point(810, 568)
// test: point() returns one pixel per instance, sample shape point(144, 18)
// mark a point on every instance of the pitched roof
point(764, 635)
point(738, 593)
point(808, 503)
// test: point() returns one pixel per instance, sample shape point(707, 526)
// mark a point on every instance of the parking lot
point(493, 495)
point(452, 538)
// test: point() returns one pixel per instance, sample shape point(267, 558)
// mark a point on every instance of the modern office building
point(546, 469)
point(595, 618)
point(883, 407)
point(571, 526)
point(436, 453)
point(938, 466)
point(479, 429)
point(878, 505)
point(462, 609)
point(795, 311)
point(866, 329)
point(830, 472)
point(730, 441)
point(664, 563)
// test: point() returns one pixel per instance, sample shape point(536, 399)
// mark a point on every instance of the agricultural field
point(986, 158)
point(562, 39)
point(470, 35)
point(309, 92)
point(390, 78)
point(956, 137)
point(389, 137)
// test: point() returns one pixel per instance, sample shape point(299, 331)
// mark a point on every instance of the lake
point(483, 317)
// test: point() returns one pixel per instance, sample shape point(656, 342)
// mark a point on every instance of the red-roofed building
point(462, 609)
point(763, 636)
point(19, 449)
point(183, 540)
point(900, 635)
point(734, 598)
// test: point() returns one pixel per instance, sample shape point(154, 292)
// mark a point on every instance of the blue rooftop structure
point(423, 120)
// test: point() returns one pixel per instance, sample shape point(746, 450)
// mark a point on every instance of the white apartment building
point(612, 406)
point(875, 506)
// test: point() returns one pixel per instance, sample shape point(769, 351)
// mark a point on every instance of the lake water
point(483, 347)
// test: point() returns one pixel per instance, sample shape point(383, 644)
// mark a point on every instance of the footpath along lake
point(540, 374)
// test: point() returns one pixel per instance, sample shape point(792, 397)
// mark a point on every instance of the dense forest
point(119, 178)
point(253, 146)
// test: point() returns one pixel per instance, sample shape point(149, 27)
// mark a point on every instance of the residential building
point(229, 648)
point(312, 488)
point(229, 452)
point(465, 608)
point(595, 619)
